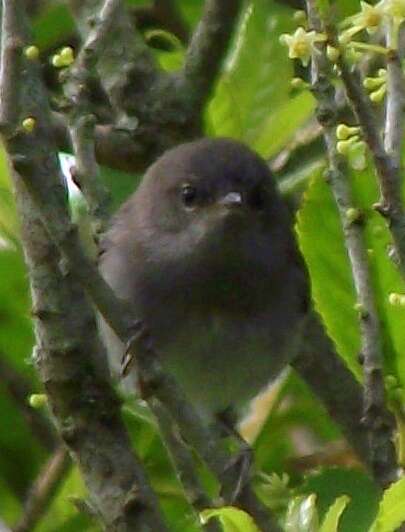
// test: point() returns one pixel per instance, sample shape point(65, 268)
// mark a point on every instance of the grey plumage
point(204, 251)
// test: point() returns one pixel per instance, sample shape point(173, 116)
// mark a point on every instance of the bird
point(204, 252)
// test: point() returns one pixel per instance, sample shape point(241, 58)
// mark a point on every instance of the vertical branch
point(184, 463)
point(44, 489)
point(395, 105)
point(82, 121)
point(208, 46)
point(386, 165)
point(68, 351)
point(376, 416)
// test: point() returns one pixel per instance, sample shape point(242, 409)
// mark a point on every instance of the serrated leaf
point(332, 518)
point(302, 515)
point(321, 241)
point(385, 276)
point(232, 519)
point(251, 90)
point(330, 483)
point(281, 124)
point(391, 512)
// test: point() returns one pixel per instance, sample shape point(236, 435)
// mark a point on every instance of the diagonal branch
point(85, 408)
point(387, 165)
point(44, 489)
point(208, 47)
point(127, 65)
point(20, 389)
point(376, 416)
point(395, 104)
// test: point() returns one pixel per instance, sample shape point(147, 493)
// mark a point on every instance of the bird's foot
point(237, 474)
point(138, 333)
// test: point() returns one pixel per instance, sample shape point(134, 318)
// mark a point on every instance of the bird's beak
point(231, 200)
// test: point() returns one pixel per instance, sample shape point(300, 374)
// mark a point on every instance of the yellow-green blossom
point(393, 8)
point(369, 18)
point(301, 44)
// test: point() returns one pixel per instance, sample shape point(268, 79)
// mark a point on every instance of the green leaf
point(302, 515)
point(332, 518)
point(62, 514)
point(53, 26)
point(321, 241)
point(281, 124)
point(385, 276)
point(253, 89)
point(391, 512)
point(330, 483)
point(232, 519)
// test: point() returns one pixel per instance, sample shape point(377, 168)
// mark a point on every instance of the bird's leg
point(138, 333)
point(237, 472)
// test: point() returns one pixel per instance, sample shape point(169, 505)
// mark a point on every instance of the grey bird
point(205, 253)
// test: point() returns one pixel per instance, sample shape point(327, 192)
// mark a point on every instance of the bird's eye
point(188, 195)
point(257, 198)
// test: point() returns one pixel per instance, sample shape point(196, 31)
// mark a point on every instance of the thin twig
point(84, 405)
point(114, 147)
point(395, 105)
point(43, 490)
point(184, 463)
point(327, 375)
point(126, 60)
point(387, 168)
point(162, 14)
point(376, 416)
point(82, 121)
point(20, 389)
point(208, 46)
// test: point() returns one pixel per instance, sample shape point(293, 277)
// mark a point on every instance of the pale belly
point(218, 362)
point(222, 363)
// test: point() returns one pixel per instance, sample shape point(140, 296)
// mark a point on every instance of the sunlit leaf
point(332, 518)
point(330, 483)
point(232, 519)
point(302, 515)
point(391, 512)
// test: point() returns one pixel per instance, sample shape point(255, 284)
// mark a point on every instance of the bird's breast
point(222, 361)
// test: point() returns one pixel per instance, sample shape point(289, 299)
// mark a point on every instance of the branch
point(126, 67)
point(20, 389)
point(85, 408)
point(154, 110)
point(376, 417)
point(114, 147)
point(395, 105)
point(326, 374)
point(43, 490)
point(387, 166)
point(162, 14)
point(82, 122)
point(208, 47)
point(184, 463)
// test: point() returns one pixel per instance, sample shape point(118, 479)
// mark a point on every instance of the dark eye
point(188, 195)
point(257, 198)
